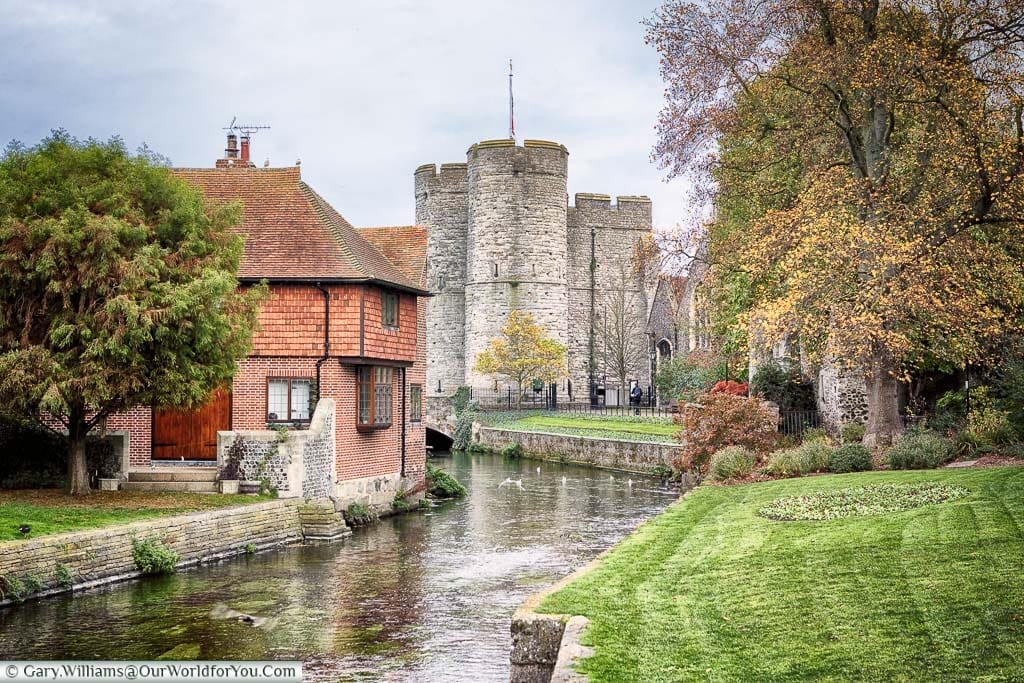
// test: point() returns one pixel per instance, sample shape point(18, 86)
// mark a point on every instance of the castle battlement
point(503, 237)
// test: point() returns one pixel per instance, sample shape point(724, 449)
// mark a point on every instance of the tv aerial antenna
point(245, 129)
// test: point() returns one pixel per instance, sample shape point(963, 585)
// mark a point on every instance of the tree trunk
point(78, 472)
point(884, 421)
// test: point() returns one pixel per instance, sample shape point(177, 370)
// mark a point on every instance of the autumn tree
point(523, 353)
point(624, 344)
point(879, 146)
point(117, 288)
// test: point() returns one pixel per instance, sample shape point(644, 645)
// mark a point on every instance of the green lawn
point(711, 591)
point(49, 511)
point(626, 427)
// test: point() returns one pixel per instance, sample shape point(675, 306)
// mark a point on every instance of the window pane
point(415, 403)
point(277, 399)
point(300, 399)
point(364, 403)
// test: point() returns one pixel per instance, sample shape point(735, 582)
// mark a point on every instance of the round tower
point(516, 241)
point(441, 207)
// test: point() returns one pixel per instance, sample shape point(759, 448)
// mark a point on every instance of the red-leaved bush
point(730, 387)
point(720, 420)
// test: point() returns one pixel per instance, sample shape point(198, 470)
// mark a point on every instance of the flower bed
point(860, 501)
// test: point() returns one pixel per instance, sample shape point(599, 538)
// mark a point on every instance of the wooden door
point(191, 434)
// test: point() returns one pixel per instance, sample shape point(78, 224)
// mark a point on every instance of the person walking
point(635, 395)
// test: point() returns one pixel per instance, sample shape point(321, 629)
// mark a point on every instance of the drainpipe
point(404, 420)
point(327, 336)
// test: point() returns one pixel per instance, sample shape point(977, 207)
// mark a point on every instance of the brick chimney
point(231, 152)
point(245, 150)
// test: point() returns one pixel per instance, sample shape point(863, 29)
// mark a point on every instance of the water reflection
point(424, 596)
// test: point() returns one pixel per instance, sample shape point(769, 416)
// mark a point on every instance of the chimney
point(232, 149)
point(245, 150)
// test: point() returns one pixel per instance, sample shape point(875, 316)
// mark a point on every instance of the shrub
point(722, 420)
point(814, 434)
point(65, 577)
point(990, 426)
point(153, 557)
point(33, 583)
point(249, 548)
point(918, 450)
point(513, 450)
point(852, 432)
point(730, 387)
point(13, 588)
point(462, 436)
point(785, 387)
point(850, 457)
point(358, 514)
point(732, 462)
point(811, 456)
point(440, 484)
point(689, 376)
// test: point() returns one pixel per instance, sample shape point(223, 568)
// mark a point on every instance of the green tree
point(899, 246)
point(522, 353)
point(117, 288)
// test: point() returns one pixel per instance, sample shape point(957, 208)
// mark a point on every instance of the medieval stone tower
point(502, 237)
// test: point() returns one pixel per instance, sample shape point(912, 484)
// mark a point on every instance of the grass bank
point(50, 511)
point(711, 591)
point(624, 427)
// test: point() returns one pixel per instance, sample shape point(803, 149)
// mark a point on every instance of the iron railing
point(795, 422)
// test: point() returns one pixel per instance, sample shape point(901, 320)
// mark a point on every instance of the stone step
point(188, 486)
point(204, 474)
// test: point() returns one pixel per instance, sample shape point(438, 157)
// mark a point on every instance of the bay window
point(374, 397)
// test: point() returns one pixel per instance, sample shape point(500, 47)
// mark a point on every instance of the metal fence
point(549, 398)
point(795, 422)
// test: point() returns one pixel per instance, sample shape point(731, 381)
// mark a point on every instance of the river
point(425, 596)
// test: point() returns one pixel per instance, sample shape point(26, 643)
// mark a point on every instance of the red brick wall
point(249, 391)
point(138, 422)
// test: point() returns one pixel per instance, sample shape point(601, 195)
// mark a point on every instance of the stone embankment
point(629, 456)
point(79, 560)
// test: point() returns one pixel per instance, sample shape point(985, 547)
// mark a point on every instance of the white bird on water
point(512, 482)
point(563, 480)
point(538, 470)
point(629, 483)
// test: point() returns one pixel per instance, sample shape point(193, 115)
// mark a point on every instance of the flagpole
point(511, 106)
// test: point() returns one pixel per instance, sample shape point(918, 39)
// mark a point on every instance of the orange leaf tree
point(878, 148)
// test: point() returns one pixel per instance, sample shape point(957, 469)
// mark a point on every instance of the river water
point(425, 596)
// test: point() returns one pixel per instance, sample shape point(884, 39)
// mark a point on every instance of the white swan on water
point(512, 482)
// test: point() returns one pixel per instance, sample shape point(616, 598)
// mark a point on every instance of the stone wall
point(629, 456)
point(842, 396)
point(101, 556)
point(297, 463)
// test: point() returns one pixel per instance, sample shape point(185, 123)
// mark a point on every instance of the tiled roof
point(291, 232)
point(404, 245)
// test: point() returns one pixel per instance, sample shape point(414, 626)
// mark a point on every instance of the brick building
point(345, 319)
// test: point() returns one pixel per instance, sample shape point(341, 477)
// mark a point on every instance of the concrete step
point(189, 486)
point(182, 474)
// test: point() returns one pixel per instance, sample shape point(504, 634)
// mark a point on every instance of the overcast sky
point(362, 92)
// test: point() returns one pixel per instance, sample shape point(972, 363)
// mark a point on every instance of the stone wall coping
point(602, 439)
